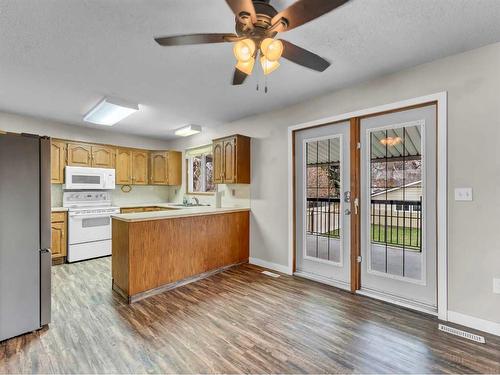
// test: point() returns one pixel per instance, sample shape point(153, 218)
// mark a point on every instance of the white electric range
point(89, 221)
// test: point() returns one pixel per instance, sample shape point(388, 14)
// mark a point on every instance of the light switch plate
point(463, 194)
point(496, 286)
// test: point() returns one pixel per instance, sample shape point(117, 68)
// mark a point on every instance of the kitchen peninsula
point(157, 251)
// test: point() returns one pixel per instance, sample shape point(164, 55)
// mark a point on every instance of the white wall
point(24, 124)
point(472, 80)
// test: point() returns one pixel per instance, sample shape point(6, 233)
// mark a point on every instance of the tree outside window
point(200, 170)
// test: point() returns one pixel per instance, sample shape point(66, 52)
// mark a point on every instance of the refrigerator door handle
point(45, 286)
point(45, 195)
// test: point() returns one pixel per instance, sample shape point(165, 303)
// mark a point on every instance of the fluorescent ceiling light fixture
point(188, 130)
point(109, 111)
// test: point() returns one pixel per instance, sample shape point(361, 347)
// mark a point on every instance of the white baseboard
point(475, 323)
point(270, 265)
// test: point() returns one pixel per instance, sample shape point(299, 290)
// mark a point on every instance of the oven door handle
point(95, 216)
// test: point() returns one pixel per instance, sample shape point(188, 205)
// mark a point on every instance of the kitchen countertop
point(177, 212)
point(59, 209)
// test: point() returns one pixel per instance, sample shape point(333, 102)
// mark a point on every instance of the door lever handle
point(356, 206)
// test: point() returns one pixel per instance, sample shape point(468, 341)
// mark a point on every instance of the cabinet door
point(158, 168)
point(174, 168)
point(103, 156)
point(229, 161)
point(58, 240)
point(140, 167)
point(123, 166)
point(57, 161)
point(79, 155)
point(218, 162)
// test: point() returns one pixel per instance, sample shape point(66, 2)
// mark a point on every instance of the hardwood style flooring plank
point(238, 321)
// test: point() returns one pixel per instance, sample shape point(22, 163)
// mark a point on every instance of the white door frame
point(441, 99)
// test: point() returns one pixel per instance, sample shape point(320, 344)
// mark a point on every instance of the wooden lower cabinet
point(133, 210)
point(59, 237)
point(152, 256)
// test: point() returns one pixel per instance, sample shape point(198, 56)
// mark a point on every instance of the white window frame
point(190, 158)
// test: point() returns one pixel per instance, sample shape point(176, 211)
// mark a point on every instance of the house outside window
point(200, 170)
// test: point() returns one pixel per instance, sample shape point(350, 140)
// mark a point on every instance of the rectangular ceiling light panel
point(110, 111)
point(188, 130)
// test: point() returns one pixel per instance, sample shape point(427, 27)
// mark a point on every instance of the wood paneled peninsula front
point(157, 251)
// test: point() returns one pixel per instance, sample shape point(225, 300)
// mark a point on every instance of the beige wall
point(472, 80)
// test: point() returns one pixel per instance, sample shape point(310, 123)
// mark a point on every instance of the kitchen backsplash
point(232, 196)
point(138, 194)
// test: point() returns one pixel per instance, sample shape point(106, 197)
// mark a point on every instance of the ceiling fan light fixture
point(268, 66)
point(244, 50)
point(272, 49)
point(246, 66)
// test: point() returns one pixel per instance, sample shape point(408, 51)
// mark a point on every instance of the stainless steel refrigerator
point(25, 234)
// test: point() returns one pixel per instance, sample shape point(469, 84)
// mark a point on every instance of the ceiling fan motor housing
point(265, 13)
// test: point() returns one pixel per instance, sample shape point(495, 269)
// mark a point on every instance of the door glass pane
point(323, 206)
point(396, 186)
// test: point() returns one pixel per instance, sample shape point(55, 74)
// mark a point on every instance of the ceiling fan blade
point(303, 11)
point(239, 77)
point(303, 57)
point(181, 40)
point(243, 6)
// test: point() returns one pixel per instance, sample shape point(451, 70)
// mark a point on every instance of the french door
point(398, 221)
point(322, 171)
point(392, 210)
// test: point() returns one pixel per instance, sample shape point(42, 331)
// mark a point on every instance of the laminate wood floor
point(233, 322)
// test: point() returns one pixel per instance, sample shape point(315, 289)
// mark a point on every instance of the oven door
point(84, 178)
point(89, 228)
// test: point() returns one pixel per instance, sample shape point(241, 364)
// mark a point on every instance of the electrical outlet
point(496, 286)
point(463, 194)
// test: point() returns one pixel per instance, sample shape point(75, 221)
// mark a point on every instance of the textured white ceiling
point(59, 57)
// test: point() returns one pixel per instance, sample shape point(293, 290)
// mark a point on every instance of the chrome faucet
point(197, 201)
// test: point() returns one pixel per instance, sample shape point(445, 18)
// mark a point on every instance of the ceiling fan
point(257, 25)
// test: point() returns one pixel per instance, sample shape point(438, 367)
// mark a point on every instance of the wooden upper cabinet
point(229, 170)
point(174, 168)
point(79, 155)
point(232, 160)
point(159, 168)
point(218, 156)
point(166, 168)
point(123, 166)
point(140, 161)
point(57, 161)
point(103, 156)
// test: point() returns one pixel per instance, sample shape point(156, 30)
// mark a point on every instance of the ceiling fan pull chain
point(265, 89)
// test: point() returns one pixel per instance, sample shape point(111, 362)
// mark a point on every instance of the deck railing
point(396, 223)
